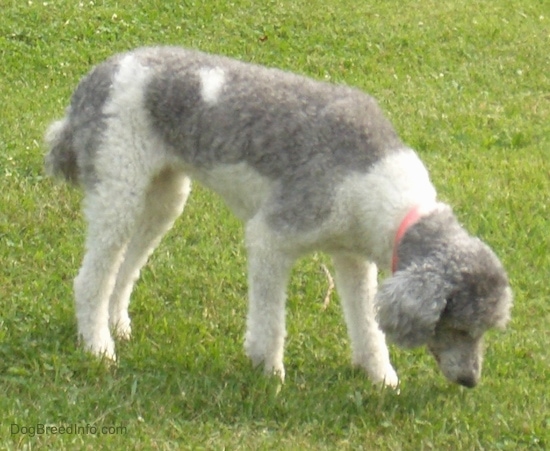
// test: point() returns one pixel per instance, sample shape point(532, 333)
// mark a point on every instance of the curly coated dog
point(307, 166)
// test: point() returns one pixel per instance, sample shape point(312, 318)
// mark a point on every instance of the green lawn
point(466, 83)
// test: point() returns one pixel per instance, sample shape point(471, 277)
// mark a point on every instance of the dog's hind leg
point(356, 281)
point(111, 211)
point(164, 202)
point(268, 273)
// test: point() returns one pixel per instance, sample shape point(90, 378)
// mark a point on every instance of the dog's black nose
point(467, 381)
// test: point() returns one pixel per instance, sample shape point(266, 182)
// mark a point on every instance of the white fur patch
point(242, 188)
point(212, 81)
point(127, 90)
point(383, 197)
point(125, 152)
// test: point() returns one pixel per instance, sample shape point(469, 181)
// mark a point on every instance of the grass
point(466, 84)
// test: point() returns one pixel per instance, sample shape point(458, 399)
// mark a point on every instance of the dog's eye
point(448, 305)
point(462, 333)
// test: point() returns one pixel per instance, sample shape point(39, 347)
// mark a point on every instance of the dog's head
point(448, 290)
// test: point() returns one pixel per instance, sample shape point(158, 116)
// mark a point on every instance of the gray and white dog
point(307, 166)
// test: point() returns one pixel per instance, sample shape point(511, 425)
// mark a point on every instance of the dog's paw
point(388, 378)
point(122, 330)
point(101, 345)
point(270, 367)
point(278, 371)
point(120, 325)
point(105, 351)
point(383, 375)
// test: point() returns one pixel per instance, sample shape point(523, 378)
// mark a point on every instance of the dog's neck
point(414, 215)
point(435, 226)
point(410, 218)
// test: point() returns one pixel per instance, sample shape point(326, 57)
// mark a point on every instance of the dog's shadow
point(235, 393)
point(198, 384)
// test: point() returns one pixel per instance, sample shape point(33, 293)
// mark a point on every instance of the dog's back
point(274, 121)
point(213, 110)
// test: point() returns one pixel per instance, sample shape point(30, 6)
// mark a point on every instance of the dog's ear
point(410, 303)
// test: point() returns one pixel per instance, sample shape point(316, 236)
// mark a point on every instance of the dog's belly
point(243, 189)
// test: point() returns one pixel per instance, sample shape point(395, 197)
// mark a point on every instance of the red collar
point(411, 218)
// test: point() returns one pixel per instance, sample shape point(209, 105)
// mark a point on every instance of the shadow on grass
point(232, 393)
point(63, 384)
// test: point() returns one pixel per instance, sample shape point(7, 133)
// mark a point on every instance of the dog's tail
point(61, 160)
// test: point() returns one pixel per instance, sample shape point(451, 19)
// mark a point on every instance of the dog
point(307, 166)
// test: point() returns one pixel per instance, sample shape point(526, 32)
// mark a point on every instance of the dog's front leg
point(356, 281)
point(267, 278)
